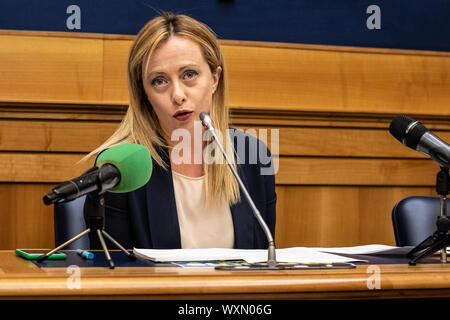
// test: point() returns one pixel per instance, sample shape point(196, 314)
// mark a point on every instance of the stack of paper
point(368, 249)
point(288, 255)
point(296, 255)
point(169, 255)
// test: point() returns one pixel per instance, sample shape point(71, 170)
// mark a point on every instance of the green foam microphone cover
point(134, 163)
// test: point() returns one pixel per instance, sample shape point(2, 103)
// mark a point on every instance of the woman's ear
point(216, 78)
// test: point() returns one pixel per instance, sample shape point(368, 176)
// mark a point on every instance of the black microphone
point(94, 179)
point(415, 135)
point(271, 261)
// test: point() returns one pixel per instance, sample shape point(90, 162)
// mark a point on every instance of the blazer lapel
point(243, 220)
point(162, 211)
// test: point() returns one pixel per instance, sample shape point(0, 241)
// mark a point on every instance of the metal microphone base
point(287, 266)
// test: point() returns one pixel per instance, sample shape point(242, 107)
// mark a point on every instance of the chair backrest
point(414, 219)
point(69, 221)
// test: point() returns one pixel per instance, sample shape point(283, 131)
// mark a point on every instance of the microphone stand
point(271, 259)
point(95, 221)
point(272, 263)
point(440, 239)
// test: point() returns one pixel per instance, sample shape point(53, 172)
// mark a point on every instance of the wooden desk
point(22, 279)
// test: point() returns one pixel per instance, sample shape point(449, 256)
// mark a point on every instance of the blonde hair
point(141, 125)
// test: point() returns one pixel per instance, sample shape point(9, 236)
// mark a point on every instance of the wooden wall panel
point(115, 70)
point(25, 222)
point(41, 167)
point(83, 136)
point(306, 216)
point(337, 81)
point(57, 167)
point(35, 68)
point(324, 216)
point(53, 136)
point(338, 141)
point(340, 171)
point(298, 77)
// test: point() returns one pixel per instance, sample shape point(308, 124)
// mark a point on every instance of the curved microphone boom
point(122, 168)
point(271, 261)
point(415, 135)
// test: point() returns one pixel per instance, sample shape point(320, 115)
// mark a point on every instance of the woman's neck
point(189, 170)
point(190, 165)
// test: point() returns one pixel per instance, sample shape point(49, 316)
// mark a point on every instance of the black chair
point(69, 221)
point(414, 219)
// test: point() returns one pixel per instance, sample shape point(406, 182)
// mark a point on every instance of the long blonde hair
point(141, 125)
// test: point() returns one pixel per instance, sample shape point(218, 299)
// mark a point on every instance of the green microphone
point(122, 168)
point(133, 162)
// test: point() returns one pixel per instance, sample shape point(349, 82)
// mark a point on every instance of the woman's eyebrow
point(188, 66)
point(155, 73)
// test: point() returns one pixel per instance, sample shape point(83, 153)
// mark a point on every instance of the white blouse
point(201, 226)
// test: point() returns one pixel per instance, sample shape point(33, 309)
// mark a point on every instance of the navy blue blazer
point(147, 217)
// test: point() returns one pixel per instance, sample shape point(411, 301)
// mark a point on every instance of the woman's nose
point(178, 95)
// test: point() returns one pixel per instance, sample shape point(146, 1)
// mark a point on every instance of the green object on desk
point(33, 254)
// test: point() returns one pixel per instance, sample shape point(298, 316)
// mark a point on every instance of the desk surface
point(20, 278)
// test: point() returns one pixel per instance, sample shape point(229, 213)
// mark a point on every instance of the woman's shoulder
point(251, 149)
point(249, 137)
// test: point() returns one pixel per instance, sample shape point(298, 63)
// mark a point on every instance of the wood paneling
point(306, 216)
point(50, 69)
point(53, 136)
point(338, 81)
point(115, 70)
point(307, 78)
point(25, 222)
point(340, 172)
point(40, 167)
point(338, 142)
point(338, 216)
point(83, 136)
point(57, 167)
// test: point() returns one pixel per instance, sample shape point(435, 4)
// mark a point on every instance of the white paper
point(372, 249)
point(168, 255)
point(297, 254)
point(366, 249)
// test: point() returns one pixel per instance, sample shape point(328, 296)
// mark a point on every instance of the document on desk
point(368, 249)
point(171, 255)
point(380, 249)
point(296, 254)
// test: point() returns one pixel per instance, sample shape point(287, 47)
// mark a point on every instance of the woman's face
point(179, 84)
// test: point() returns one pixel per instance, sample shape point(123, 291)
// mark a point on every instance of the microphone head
point(406, 130)
point(134, 163)
point(399, 125)
point(206, 120)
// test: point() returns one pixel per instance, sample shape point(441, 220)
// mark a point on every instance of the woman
point(175, 72)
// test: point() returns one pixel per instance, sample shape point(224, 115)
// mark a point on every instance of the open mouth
point(182, 115)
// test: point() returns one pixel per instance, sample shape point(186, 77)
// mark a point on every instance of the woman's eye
point(190, 74)
point(157, 82)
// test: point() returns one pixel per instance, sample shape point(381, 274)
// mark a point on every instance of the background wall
point(63, 92)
